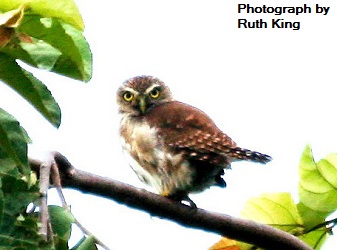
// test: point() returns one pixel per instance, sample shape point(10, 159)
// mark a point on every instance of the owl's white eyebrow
point(148, 90)
point(130, 90)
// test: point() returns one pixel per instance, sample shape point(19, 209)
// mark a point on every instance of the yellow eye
point(128, 96)
point(155, 93)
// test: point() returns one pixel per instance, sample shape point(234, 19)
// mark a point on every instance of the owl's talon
point(191, 203)
point(183, 200)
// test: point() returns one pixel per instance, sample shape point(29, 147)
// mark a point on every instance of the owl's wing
point(187, 128)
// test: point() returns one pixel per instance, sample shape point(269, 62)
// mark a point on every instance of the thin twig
point(56, 178)
point(45, 229)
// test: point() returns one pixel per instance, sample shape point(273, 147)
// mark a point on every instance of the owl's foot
point(188, 200)
point(182, 198)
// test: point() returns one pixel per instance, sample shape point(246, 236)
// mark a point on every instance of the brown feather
point(188, 129)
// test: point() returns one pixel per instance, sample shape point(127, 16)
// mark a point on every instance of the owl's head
point(140, 94)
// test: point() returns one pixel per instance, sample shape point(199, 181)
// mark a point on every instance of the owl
point(174, 147)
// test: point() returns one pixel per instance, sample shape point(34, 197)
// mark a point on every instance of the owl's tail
point(248, 155)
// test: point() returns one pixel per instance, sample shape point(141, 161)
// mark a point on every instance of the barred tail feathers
point(249, 155)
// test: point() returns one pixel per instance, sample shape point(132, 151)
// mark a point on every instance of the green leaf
point(33, 90)
point(67, 52)
point(38, 54)
point(275, 209)
point(17, 194)
point(311, 217)
point(327, 167)
point(13, 143)
point(7, 164)
point(280, 211)
point(61, 220)
point(46, 42)
point(316, 238)
point(318, 182)
point(17, 229)
point(66, 10)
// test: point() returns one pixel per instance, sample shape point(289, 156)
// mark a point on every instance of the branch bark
point(248, 231)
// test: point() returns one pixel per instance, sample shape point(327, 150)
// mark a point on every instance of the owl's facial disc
point(141, 94)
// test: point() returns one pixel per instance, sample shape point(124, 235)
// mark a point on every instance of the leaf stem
point(329, 224)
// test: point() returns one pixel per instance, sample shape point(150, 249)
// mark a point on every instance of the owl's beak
point(142, 104)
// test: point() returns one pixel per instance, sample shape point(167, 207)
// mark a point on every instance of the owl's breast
point(143, 149)
point(140, 140)
point(152, 160)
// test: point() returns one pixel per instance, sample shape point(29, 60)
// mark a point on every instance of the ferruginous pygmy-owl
point(174, 147)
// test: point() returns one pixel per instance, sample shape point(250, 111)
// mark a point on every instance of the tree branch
point(235, 228)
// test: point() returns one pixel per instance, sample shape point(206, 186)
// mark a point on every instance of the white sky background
point(271, 90)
